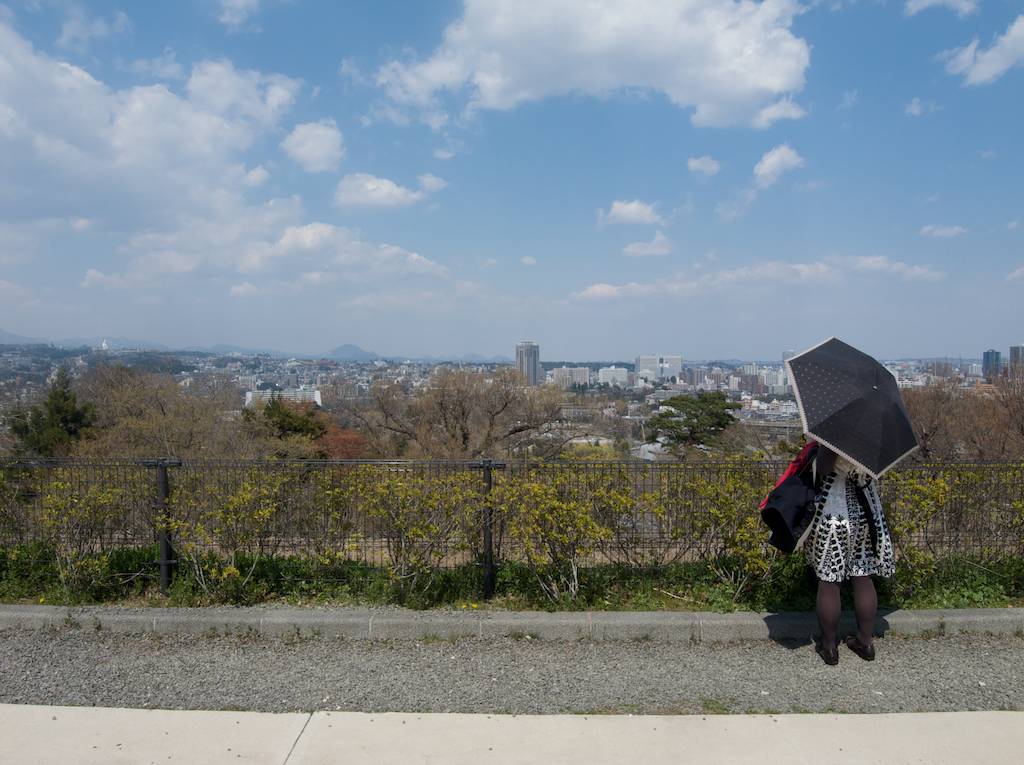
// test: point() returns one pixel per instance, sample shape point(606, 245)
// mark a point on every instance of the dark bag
point(789, 507)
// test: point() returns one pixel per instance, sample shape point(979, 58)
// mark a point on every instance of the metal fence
point(452, 513)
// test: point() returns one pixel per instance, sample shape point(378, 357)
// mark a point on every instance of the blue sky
point(704, 177)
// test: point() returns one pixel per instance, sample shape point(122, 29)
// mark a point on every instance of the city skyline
point(412, 179)
point(1013, 351)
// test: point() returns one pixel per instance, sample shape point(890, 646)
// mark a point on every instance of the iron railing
point(448, 513)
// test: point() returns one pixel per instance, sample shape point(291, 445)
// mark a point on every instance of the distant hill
point(476, 358)
point(351, 353)
point(114, 343)
point(466, 358)
point(9, 338)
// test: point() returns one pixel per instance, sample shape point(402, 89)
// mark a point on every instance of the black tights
point(865, 605)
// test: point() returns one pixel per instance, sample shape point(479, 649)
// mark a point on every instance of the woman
point(848, 539)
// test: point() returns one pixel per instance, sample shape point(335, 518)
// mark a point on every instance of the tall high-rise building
point(991, 364)
point(1016, 360)
point(672, 366)
point(647, 367)
point(653, 368)
point(528, 361)
point(787, 354)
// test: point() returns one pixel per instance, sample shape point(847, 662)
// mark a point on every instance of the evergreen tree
point(697, 420)
point(49, 429)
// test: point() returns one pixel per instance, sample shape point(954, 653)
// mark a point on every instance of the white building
point(291, 395)
point(566, 377)
point(616, 376)
point(654, 368)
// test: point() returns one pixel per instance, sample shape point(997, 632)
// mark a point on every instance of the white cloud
point(706, 165)
point(222, 89)
point(430, 182)
point(245, 289)
point(633, 211)
point(489, 262)
point(256, 177)
point(784, 109)
point(349, 70)
point(144, 269)
point(765, 273)
point(732, 62)
point(78, 31)
point(365, 190)
point(916, 107)
point(988, 154)
point(145, 155)
point(163, 67)
point(849, 100)
point(235, 14)
point(882, 264)
point(1013, 225)
point(985, 66)
point(732, 209)
point(443, 154)
point(528, 260)
point(316, 146)
point(165, 177)
point(942, 232)
point(343, 248)
point(1017, 275)
point(660, 245)
point(961, 7)
point(774, 163)
point(96, 278)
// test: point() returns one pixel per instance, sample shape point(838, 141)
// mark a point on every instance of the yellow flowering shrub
point(232, 517)
point(420, 516)
point(83, 519)
point(553, 517)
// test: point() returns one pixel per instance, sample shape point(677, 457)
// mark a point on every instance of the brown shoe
point(828, 655)
point(866, 652)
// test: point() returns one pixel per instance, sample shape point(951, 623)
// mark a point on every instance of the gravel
point(86, 667)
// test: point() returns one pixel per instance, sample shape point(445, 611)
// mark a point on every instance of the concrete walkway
point(91, 736)
point(404, 624)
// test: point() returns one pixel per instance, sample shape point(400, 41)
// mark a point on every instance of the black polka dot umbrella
point(851, 404)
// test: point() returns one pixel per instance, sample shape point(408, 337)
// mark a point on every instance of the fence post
point(163, 495)
point(490, 572)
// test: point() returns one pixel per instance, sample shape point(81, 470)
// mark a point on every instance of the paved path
point(83, 667)
point(96, 736)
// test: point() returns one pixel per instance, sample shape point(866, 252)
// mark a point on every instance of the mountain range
point(345, 352)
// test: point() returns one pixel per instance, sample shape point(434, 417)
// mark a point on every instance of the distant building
point(614, 376)
point(566, 377)
point(647, 367)
point(1016, 360)
point(786, 355)
point(655, 368)
point(291, 395)
point(991, 364)
point(528, 362)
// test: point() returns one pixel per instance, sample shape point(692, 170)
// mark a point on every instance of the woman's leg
point(828, 613)
point(865, 605)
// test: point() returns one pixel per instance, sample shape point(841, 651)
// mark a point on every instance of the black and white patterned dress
point(841, 542)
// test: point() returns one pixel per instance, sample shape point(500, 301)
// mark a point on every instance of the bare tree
point(145, 415)
point(462, 415)
point(954, 423)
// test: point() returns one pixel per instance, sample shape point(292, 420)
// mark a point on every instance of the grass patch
point(31, 574)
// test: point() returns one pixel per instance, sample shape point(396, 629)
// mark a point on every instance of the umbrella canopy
point(851, 404)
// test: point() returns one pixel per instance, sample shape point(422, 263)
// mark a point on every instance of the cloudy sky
point(706, 177)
